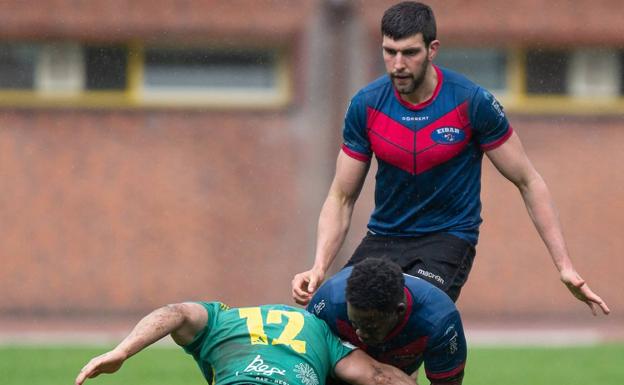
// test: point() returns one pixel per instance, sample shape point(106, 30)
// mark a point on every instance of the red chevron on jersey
point(419, 151)
point(429, 155)
point(404, 356)
point(443, 139)
point(401, 357)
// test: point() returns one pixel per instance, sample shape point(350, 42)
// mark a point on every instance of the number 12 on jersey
point(255, 326)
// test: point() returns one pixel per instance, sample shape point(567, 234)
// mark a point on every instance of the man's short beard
point(416, 81)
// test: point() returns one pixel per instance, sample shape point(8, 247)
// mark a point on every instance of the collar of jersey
point(427, 102)
point(408, 313)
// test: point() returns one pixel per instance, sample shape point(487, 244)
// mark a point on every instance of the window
point(545, 80)
point(78, 74)
point(546, 71)
point(595, 73)
point(484, 66)
point(106, 68)
point(209, 69)
point(62, 67)
point(17, 65)
point(253, 77)
point(579, 73)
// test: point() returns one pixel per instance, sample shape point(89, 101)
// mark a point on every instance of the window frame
point(515, 97)
point(133, 96)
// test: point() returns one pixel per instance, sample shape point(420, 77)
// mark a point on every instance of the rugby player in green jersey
point(268, 344)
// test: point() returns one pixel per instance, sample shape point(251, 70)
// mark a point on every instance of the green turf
point(602, 365)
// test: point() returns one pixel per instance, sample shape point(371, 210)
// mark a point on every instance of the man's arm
point(358, 368)
point(333, 225)
point(511, 160)
point(183, 321)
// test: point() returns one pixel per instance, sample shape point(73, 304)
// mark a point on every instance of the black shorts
point(442, 259)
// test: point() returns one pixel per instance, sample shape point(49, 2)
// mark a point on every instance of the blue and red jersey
point(429, 155)
point(431, 330)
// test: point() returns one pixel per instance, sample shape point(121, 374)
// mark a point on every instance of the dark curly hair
point(408, 18)
point(375, 284)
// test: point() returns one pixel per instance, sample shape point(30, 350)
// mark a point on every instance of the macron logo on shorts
point(429, 274)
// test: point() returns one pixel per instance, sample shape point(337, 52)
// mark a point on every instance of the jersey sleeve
point(337, 348)
point(195, 347)
point(212, 308)
point(355, 138)
point(489, 121)
point(445, 356)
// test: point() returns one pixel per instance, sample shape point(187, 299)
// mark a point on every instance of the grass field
point(602, 365)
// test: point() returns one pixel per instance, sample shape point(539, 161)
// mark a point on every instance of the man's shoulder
point(458, 82)
point(426, 294)
point(380, 85)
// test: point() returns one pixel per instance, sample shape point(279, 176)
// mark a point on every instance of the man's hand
point(579, 288)
point(106, 363)
point(305, 284)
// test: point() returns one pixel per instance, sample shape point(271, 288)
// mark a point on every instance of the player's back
point(275, 344)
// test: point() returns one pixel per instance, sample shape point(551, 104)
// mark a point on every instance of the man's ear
point(401, 308)
point(433, 49)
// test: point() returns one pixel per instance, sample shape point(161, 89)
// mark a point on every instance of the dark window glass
point(546, 72)
point(485, 66)
point(17, 65)
point(106, 67)
point(621, 72)
point(196, 68)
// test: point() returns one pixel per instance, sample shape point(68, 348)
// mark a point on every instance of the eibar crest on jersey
point(448, 135)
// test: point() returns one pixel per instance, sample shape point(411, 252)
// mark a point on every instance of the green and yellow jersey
point(269, 344)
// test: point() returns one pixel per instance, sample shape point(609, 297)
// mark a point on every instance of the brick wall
point(118, 211)
point(109, 211)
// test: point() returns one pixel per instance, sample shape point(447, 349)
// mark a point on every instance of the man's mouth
point(401, 77)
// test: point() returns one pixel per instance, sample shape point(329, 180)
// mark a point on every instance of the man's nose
point(399, 62)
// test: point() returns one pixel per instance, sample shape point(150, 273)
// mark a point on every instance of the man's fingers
point(299, 284)
point(79, 379)
point(592, 299)
point(312, 285)
point(84, 374)
point(596, 300)
point(302, 301)
point(604, 307)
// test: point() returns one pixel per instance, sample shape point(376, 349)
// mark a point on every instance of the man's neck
point(426, 89)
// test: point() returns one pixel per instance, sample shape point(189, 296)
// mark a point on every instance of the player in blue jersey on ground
point(265, 345)
point(428, 128)
point(398, 319)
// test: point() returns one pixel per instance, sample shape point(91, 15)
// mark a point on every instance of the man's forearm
point(334, 222)
point(152, 328)
point(390, 375)
point(542, 211)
